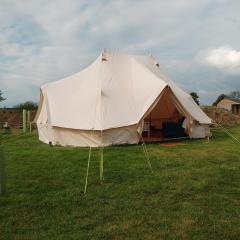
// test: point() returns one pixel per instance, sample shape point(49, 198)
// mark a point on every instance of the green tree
point(1, 97)
point(235, 95)
point(220, 97)
point(28, 105)
point(195, 97)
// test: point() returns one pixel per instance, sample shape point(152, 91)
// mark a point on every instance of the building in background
point(230, 104)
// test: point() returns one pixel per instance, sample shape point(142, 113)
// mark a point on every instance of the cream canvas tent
point(108, 102)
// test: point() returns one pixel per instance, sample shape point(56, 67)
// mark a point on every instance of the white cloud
point(42, 40)
point(225, 58)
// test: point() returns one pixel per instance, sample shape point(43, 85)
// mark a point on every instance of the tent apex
point(104, 54)
point(104, 50)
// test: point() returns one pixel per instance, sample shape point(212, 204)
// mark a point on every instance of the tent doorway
point(164, 121)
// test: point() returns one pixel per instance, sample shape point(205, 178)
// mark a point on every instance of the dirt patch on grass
point(172, 144)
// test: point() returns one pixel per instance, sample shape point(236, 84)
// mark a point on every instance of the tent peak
point(106, 52)
point(104, 55)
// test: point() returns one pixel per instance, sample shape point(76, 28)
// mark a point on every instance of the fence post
point(29, 120)
point(2, 171)
point(24, 120)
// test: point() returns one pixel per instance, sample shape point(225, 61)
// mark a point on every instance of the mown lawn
point(194, 192)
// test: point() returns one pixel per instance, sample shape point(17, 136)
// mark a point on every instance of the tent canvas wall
point(107, 102)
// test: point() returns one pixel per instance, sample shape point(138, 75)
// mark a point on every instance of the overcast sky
point(197, 43)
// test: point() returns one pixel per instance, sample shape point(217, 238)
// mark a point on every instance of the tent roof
point(116, 90)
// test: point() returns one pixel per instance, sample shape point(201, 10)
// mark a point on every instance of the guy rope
point(228, 133)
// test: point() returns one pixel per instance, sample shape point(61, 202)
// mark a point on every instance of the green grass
point(194, 192)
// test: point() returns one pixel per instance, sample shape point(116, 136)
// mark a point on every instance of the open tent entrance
point(165, 120)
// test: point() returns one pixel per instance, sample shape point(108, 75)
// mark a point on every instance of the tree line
point(234, 95)
point(30, 105)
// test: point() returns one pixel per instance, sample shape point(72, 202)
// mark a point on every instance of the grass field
point(194, 192)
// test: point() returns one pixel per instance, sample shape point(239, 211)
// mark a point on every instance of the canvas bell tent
point(118, 99)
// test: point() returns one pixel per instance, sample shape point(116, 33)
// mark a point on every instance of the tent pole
point(101, 160)
point(146, 155)
point(88, 164)
point(101, 164)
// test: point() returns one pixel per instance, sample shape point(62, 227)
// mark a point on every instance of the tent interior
point(164, 121)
